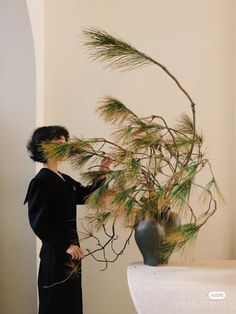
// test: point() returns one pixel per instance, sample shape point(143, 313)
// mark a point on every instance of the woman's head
point(44, 134)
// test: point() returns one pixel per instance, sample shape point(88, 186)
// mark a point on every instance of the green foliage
point(211, 188)
point(129, 206)
point(132, 169)
point(178, 238)
point(95, 199)
point(180, 193)
point(100, 219)
point(214, 185)
point(117, 53)
point(121, 196)
point(54, 150)
point(113, 110)
point(185, 125)
point(155, 166)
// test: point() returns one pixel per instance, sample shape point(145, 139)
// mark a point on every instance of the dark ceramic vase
point(150, 236)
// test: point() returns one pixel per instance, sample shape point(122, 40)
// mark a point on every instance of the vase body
point(150, 237)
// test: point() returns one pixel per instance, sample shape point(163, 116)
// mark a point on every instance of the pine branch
point(117, 53)
point(120, 55)
point(113, 110)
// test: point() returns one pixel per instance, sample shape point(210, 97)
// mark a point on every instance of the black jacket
point(52, 208)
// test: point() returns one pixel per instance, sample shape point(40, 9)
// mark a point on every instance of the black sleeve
point(39, 208)
point(83, 192)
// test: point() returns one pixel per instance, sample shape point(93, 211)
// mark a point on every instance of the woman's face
point(60, 140)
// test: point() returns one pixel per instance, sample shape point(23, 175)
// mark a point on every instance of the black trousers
point(55, 297)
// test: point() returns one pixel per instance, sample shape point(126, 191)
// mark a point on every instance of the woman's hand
point(105, 163)
point(75, 252)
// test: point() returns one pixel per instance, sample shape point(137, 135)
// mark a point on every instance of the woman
point(52, 197)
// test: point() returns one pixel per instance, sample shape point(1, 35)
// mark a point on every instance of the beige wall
point(194, 39)
point(36, 16)
point(17, 119)
point(234, 129)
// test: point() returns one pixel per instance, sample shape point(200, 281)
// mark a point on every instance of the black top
point(52, 209)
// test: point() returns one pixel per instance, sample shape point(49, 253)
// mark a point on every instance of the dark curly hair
point(42, 134)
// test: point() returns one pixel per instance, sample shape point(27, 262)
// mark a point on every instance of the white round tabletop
point(201, 287)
